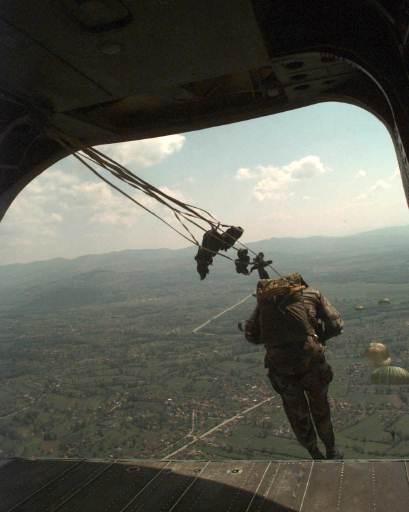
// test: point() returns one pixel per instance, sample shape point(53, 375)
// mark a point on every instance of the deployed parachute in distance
point(378, 354)
point(385, 374)
point(390, 375)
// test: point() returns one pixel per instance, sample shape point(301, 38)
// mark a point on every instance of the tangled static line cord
point(189, 213)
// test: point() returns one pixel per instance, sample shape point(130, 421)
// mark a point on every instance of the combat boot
point(316, 453)
point(334, 454)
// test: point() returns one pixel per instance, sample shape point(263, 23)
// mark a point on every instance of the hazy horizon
point(193, 248)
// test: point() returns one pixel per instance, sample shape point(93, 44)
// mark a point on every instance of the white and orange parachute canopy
point(378, 354)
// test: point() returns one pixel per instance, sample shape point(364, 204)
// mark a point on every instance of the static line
point(197, 329)
point(213, 429)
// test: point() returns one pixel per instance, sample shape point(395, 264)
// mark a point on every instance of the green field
point(104, 364)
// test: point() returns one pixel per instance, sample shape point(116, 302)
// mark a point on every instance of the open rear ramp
point(233, 486)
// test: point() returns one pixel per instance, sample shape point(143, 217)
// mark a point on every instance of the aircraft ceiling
point(106, 71)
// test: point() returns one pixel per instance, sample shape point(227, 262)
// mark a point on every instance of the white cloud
point(245, 174)
point(273, 185)
point(59, 208)
point(361, 174)
point(144, 153)
point(57, 196)
point(307, 167)
point(274, 182)
point(379, 185)
point(173, 192)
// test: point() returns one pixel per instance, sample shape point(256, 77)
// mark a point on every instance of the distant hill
point(379, 240)
point(381, 256)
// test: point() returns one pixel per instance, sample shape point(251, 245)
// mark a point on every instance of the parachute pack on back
point(268, 288)
point(283, 316)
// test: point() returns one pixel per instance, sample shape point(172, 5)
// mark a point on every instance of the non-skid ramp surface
point(180, 486)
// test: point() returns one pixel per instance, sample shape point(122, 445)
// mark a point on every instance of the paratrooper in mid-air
point(294, 322)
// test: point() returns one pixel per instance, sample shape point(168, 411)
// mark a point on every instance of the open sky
point(328, 169)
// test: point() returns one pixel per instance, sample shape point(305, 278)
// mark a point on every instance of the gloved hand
point(248, 330)
point(313, 346)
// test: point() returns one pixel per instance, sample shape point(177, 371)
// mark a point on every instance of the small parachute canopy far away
point(378, 354)
point(390, 375)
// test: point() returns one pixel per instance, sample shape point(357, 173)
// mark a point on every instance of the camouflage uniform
point(305, 402)
point(296, 364)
